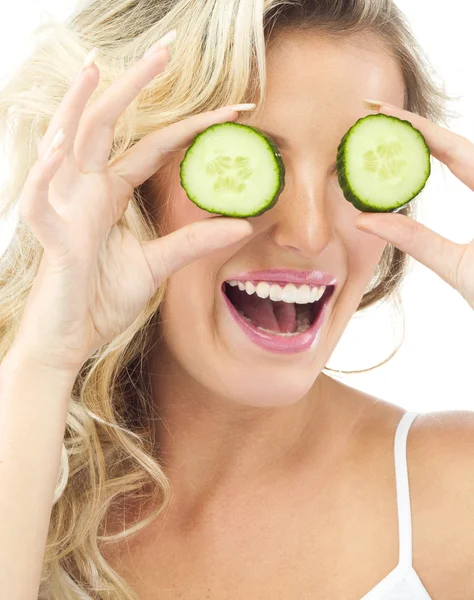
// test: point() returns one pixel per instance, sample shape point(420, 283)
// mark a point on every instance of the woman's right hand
point(95, 277)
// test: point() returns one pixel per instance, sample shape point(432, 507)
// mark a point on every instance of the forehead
point(316, 84)
point(327, 66)
point(307, 67)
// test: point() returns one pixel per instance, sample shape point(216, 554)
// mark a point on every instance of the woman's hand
point(95, 277)
point(451, 261)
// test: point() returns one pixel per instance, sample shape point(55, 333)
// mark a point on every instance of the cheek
point(365, 252)
point(363, 249)
point(177, 210)
point(182, 211)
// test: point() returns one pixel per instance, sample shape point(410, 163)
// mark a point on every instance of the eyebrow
point(280, 140)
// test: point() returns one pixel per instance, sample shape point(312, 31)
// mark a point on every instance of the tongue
point(286, 315)
point(258, 310)
point(274, 316)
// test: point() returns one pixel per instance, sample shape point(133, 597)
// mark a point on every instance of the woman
point(199, 456)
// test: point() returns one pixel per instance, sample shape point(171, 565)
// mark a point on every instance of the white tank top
point(403, 582)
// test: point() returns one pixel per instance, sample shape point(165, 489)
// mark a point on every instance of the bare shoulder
point(440, 458)
point(440, 445)
point(440, 454)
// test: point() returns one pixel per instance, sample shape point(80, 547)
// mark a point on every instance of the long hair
point(217, 59)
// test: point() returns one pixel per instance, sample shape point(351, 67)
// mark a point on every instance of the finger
point(35, 209)
point(70, 110)
point(172, 252)
point(67, 117)
point(426, 246)
point(96, 131)
point(455, 151)
point(149, 154)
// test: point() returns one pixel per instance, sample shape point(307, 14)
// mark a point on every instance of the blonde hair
point(217, 59)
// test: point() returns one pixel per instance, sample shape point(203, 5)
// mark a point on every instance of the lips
point(289, 276)
point(275, 327)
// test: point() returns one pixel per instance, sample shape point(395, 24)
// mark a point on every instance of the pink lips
point(288, 276)
point(277, 343)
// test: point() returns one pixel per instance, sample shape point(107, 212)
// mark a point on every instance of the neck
point(208, 444)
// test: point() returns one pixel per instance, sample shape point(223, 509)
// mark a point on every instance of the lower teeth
point(279, 334)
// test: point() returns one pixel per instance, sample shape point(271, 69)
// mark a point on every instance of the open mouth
point(286, 310)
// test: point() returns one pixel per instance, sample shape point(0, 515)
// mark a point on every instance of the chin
point(216, 357)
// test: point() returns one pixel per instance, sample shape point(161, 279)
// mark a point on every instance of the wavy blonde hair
point(218, 59)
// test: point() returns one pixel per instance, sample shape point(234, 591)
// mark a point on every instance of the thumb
point(174, 251)
point(423, 244)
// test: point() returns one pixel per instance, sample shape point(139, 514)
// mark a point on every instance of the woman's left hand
point(453, 262)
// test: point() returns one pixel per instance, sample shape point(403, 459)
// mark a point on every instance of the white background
point(434, 368)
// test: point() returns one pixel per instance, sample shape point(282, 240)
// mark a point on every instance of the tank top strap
point(403, 489)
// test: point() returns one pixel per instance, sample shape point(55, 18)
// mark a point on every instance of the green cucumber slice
point(382, 163)
point(233, 170)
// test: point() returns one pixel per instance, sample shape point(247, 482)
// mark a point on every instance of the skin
point(267, 456)
point(312, 226)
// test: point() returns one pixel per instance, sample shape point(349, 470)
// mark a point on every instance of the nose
point(301, 219)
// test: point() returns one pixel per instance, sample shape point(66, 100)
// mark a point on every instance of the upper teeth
point(303, 294)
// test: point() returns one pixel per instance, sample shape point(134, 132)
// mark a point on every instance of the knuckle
point(454, 149)
point(104, 117)
point(102, 112)
point(93, 116)
point(157, 264)
point(414, 232)
point(37, 178)
point(448, 154)
point(163, 270)
point(89, 117)
point(199, 122)
point(192, 240)
point(135, 86)
point(37, 182)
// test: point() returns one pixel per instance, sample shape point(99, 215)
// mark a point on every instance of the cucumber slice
point(382, 163)
point(233, 170)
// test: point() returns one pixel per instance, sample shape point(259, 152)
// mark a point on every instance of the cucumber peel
point(234, 170)
point(382, 163)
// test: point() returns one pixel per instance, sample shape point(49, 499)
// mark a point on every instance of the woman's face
point(315, 92)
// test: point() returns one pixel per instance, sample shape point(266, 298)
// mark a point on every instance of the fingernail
point(55, 144)
point(88, 61)
point(373, 104)
point(90, 58)
point(249, 106)
point(163, 42)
